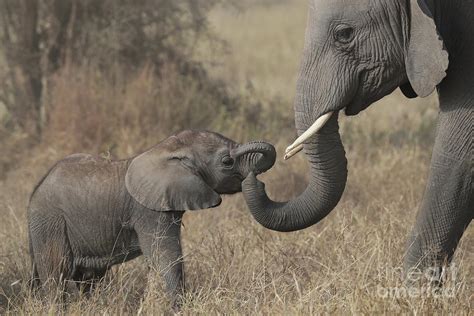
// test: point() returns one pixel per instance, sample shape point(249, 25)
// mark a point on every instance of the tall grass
point(232, 264)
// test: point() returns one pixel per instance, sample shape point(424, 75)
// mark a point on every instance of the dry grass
point(233, 265)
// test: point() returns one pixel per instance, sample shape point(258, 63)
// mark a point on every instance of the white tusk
point(293, 152)
point(297, 145)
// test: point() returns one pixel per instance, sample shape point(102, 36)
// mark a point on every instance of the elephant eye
point(344, 34)
point(228, 161)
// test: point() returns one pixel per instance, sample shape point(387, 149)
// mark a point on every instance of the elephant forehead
point(190, 137)
point(200, 144)
point(338, 9)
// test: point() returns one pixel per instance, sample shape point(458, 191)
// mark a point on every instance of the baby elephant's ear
point(165, 182)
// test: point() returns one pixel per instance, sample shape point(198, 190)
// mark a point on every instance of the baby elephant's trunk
point(256, 157)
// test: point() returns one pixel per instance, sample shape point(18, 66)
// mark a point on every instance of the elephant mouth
point(352, 109)
point(239, 177)
point(357, 106)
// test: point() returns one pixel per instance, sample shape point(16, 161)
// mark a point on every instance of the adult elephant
point(355, 53)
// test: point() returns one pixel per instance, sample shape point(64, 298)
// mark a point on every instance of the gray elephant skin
point(89, 213)
point(355, 53)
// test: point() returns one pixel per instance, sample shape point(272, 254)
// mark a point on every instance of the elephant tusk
point(297, 145)
point(293, 152)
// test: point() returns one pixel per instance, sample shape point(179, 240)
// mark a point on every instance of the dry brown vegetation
point(233, 265)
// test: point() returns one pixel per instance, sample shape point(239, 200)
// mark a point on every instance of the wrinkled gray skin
point(89, 213)
point(355, 53)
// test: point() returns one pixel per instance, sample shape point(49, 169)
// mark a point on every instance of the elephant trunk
point(256, 157)
point(328, 163)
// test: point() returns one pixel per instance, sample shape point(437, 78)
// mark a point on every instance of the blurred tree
point(40, 36)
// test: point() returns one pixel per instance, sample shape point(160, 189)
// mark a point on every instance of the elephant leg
point(53, 258)
point(448, 205)
point(160, 242)
point(87, 280)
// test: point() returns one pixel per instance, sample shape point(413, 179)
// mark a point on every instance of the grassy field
point(345, 264)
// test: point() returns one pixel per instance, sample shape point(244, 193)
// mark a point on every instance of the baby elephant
point(89, 213)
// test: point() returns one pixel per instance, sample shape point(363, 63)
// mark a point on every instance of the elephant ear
point(426, 60)
point(168, 181)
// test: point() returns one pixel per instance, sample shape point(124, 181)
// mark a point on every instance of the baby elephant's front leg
point(159, 239)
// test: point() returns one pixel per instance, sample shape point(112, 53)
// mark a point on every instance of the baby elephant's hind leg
point(53, 258)
point(87, 280)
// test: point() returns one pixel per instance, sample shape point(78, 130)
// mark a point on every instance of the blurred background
point(113, 77)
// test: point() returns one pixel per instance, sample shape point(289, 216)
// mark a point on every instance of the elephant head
point(355, 53)
point(189, 171)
